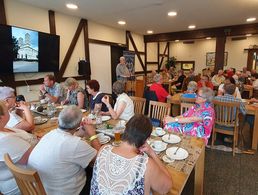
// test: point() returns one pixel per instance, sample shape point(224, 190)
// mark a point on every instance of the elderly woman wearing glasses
point(198, 120)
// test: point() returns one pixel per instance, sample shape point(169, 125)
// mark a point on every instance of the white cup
point(101, 137)
point(158, 130)
point(157, 144)
point(37, 119)
point(43, 101)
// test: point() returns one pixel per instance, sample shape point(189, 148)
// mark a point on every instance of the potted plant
point(171, 62)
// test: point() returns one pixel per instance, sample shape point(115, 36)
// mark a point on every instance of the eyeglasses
point(10, 97)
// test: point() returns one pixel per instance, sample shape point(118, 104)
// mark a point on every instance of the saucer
point(155, 134)
point(181, 153)
point(167, 159)
point(39, 122)
point(171, 139)
point(104, 140)
point(105, 118)
point(162, 148)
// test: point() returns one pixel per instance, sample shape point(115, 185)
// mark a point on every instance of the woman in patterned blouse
point(75, 95)
point(198, 120)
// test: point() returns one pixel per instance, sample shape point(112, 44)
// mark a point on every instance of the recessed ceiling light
point(250, 19)
point(177, 40)
point(191, 26)
point(71, 6)
point(172, 13)
point(208, 38)
point(150, 31)
point(248, 35)
point(121, 22)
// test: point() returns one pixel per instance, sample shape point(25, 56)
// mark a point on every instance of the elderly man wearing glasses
point(20, 115)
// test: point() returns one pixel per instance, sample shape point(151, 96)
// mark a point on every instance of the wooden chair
point(139, 104)
point(226, 120)
point(185, 104)
point(28, 181)
point(158, 110)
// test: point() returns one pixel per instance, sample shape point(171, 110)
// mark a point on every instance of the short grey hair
point(6, 92)
point(118, 87)
point(69, 118)
point(157, 78)
point(192, 86)
point(70, 81)
point(207, 93)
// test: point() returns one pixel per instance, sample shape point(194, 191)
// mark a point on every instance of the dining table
point(180, 170)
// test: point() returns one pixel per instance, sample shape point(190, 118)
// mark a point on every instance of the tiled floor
point(226, 175)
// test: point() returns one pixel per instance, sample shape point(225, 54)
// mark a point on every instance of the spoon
point(176, 150)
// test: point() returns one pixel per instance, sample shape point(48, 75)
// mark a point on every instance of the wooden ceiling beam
point(2, 13)
point(235, 30)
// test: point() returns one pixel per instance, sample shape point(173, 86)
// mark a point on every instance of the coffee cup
point(101, 137)
point(43, 101)
point(37, 119)
point(158, 130)
point(157, 144)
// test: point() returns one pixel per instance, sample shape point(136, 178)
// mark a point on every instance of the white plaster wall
point(237, 57)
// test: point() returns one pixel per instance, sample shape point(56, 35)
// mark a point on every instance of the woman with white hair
point(198, 120)
point(191, 90)
point(75, 95)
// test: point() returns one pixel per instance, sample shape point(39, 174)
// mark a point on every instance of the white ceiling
point(143, 15)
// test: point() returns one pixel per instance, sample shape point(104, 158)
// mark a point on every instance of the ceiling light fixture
point(191, 26)
point(172, 13)
point(150, 31)
point(177, 40)
point(71, 6)
point(248, 35)
point(121, 22)
point(208, 38)
point(250, 19)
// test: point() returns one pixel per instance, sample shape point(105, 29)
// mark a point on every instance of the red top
point(161, 93)
point(208, 84)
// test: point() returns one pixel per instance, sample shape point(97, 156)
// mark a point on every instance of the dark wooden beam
point(129, 35)
point(163, 55)
point(145, 59)
point(2, 13)
point(52, 22)
point(106, 43)
point(219, 55)
point(158, 49)
point(70, 49)
point(152, 62)
point(235, 30)
point(86, 40)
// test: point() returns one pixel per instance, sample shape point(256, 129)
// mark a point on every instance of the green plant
point(171, 62)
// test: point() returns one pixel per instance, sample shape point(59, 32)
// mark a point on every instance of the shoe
point(228, 140)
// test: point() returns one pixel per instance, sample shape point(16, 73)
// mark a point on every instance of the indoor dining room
point(128, 97)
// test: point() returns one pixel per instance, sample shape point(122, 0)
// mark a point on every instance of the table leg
point(199, 173)
point(255, 131)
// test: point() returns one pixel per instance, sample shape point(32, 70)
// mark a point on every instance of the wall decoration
point(210, 58)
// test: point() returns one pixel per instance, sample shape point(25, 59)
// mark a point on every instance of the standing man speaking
point(122, 72)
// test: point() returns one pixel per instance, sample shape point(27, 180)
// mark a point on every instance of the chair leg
point(213, 139)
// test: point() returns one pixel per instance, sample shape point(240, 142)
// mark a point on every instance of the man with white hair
point(61, 157)
point(218, 79)
point(20, 114)
point(122, 72)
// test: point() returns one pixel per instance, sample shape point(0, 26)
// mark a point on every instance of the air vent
point(188, 42)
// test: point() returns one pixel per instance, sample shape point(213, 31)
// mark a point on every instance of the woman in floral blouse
point(198, 120)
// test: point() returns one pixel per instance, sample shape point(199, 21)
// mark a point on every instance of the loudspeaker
point(84, 68)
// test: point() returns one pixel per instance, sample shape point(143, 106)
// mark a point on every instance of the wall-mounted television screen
point(24, 51)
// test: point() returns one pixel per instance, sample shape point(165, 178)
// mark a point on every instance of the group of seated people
point(61, 156)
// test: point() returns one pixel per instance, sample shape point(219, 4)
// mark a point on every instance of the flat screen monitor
point(24, 51)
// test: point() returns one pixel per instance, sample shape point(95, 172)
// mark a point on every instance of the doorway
point(116, 53)
point(252, 59)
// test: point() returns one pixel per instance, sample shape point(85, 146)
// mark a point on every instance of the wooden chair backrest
point(158, 110)
point(226, 113)
point(186, 104)
point(28, 181)
point(139, 104)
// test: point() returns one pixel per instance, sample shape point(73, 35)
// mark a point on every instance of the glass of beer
point(117, 133)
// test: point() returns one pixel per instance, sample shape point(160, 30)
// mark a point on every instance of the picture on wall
point(210, 58)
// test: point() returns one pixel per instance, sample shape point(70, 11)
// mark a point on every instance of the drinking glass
point(117, 133)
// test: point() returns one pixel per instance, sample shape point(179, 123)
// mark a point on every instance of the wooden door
point(252, 59)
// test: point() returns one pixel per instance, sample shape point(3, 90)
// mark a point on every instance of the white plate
point(155, 134)
point(83, 110)
point(181, 153)
point(43, 120)
point(105, 118)
point(172, 139)
point(164, 146)
point(105, 139)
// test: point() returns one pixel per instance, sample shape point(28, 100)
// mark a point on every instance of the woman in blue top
point(191, 90)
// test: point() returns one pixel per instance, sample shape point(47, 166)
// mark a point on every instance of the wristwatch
point(176, 119)
point(45, 93)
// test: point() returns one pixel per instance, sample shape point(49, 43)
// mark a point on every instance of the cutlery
point(169, 158)
point(176, 150)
